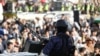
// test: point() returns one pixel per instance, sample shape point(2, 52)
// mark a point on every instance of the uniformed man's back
point(61, 44)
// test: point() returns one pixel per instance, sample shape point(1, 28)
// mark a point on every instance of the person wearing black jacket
point(61, 44)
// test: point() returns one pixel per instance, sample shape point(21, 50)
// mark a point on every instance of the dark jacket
point(60, 45)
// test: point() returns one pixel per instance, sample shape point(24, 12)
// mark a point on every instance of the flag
point(43, 1)
point(97, 20)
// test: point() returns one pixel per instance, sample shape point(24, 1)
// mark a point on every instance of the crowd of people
point(40, 6)
point(14, 33)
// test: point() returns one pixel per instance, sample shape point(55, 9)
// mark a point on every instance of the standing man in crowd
point(61, 44)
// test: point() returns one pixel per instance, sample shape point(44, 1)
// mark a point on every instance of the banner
point(29, 15)
point(74, 1)
point(20, 54)
point(97, 20)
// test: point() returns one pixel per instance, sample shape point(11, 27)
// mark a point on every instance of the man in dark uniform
point(61, 44)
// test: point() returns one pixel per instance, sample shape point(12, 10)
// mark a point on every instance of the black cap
point(61, 23)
